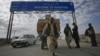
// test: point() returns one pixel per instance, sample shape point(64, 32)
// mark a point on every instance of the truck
point(42, 22)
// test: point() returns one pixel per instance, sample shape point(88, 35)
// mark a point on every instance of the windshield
point(15, 37)
point(25, 37)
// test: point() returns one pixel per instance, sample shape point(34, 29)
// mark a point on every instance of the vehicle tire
point(26, 44)
point(34, 42)
point(13, 46)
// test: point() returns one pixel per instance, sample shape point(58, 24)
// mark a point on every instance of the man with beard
point(50, 30)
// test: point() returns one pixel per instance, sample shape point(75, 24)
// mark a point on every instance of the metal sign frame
point(42, 6)
point(15, 7)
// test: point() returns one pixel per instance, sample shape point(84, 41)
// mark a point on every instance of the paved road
point(63, 50)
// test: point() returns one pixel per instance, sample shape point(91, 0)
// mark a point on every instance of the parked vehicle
point(26, 40)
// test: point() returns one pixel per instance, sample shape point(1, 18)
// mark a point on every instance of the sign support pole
point(74, 18)
point(10, 27)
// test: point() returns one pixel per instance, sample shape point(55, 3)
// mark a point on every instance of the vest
point(49, 29)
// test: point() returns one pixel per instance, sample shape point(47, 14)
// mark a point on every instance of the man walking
point(68, 35)
point(52, 34)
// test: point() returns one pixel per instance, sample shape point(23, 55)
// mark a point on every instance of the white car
point(23, 41)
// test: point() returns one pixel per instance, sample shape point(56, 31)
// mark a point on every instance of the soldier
point(92, 35)
point(68, 35)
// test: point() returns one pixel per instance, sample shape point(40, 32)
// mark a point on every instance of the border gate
point(29, 6)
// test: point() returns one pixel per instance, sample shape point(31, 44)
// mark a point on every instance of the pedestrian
point(92, 35)
point(68, 35)
point(52, 34)
point(87, 35)
point(76, 35)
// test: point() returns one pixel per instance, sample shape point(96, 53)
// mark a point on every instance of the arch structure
point(36, 7)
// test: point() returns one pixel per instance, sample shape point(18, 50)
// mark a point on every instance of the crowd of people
point(52, 34)
point(75, 35)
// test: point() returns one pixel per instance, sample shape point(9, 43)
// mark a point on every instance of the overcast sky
point(87, 11)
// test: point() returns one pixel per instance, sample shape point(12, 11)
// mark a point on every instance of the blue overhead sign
point(41, 6)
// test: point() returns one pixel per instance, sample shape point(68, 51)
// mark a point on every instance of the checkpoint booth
point(37, 6)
